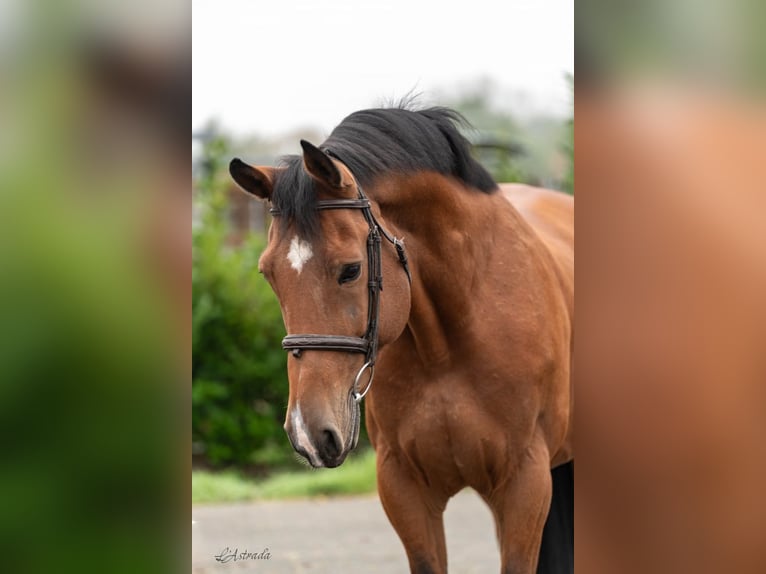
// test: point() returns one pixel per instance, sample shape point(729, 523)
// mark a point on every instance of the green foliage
point(225, 486)
point(568, 144)
point(512, 146)
point(239, 388)
point(496, 134)
point(355, 476)
point(502, 165)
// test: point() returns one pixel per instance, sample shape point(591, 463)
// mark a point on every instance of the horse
point(410, 280)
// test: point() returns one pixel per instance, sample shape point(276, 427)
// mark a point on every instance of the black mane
point(378, 141)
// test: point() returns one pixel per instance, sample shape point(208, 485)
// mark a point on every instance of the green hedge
point(239, 380)
point(239, 390)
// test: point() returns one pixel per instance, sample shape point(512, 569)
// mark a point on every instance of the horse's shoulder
point(537, 203)
point(550, 213)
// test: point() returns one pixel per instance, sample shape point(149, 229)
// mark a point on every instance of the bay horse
point(395, 255)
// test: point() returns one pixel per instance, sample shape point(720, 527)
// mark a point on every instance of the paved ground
point(337, 535)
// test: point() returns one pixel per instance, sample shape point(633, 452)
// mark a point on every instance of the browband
point(358, 203)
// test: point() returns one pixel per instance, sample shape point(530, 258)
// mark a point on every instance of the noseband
point(368, 344)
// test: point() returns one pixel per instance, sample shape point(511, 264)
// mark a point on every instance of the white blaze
point(299, 254)
point(302, 437)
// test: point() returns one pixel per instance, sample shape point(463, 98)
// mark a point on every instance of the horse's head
point(318, 264)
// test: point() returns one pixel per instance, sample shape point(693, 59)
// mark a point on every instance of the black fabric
point(557, 548)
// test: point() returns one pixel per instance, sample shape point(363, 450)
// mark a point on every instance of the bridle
point(367, 344)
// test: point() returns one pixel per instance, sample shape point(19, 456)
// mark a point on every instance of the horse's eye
point(349, 273)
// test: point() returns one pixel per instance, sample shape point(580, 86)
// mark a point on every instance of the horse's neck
point(456, 241)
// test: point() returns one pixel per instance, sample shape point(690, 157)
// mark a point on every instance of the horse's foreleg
point(416, 514)
point(520, 505)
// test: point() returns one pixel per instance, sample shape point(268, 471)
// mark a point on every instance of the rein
point(367, 344)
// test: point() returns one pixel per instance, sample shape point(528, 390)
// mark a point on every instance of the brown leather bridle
point(367, 344)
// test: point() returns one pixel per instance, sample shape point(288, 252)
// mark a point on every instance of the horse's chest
point(449, 437)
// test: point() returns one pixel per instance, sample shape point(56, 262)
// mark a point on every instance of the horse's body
point(481, 377)
point(473, 383)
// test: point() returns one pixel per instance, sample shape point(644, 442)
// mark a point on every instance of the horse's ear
point(256, 181)
point(320, 165)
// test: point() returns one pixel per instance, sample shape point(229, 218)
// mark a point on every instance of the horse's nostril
point(331, 443)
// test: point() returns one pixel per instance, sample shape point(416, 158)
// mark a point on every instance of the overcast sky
point(271, 66)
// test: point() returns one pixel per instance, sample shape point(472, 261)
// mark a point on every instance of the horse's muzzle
point(324, 445)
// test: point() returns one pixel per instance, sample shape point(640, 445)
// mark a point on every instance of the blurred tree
point(495, 134)
point(568, 144)
point(239, 388)
point(511, 147)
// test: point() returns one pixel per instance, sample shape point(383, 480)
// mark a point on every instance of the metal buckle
point(359, 396)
